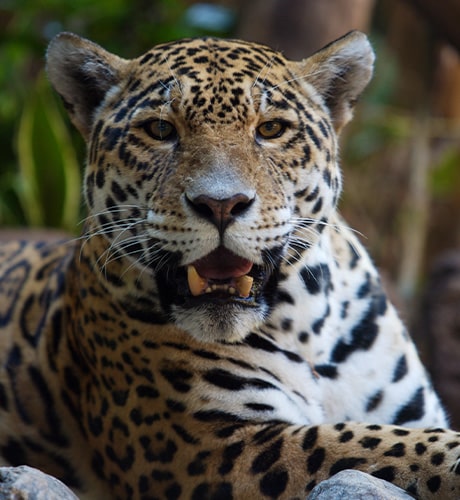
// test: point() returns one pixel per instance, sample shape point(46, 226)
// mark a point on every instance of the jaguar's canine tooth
point(196, 283)
point(244, 285)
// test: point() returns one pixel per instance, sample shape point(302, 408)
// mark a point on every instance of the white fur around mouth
point(199, 285)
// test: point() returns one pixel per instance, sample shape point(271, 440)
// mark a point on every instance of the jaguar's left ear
point(82, 73)
point(339, 73)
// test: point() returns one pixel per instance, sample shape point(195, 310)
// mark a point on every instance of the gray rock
point(26, 483)
point(356, 485)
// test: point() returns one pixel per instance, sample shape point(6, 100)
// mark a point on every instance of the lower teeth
point(199, 285)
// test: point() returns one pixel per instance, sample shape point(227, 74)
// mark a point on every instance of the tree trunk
point(301, 27)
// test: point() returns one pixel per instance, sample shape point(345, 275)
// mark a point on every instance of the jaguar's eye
point(161, 130)
point(271, 129)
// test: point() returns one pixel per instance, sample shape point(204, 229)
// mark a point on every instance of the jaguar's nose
point(220, 212)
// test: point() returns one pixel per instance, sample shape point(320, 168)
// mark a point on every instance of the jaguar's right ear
point(339, 73)
point(82, 73)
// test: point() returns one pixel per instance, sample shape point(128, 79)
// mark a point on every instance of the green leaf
point(49, 171)
point(445, 177)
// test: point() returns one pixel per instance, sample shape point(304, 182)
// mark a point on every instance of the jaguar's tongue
point(221, 264)
point(220, 271)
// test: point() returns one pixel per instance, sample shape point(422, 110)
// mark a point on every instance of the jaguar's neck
point(104, 296)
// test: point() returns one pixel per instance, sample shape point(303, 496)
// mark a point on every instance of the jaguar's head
point(212, 164)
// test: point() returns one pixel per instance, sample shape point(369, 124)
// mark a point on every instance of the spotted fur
point(221, 155)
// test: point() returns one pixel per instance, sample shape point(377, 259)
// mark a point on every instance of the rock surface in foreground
point(357, 485)
point(26, 483)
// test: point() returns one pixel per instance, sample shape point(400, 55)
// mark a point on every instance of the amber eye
point(161, 130)
point(271, 129)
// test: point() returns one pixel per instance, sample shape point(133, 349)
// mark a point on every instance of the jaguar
point(218, 330)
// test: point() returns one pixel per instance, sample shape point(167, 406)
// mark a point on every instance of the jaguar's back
point(217, 320)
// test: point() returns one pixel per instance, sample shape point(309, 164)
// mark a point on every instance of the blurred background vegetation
point(39, 170)
point(401, 154)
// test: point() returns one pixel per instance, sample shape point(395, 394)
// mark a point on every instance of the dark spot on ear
point(91, 88)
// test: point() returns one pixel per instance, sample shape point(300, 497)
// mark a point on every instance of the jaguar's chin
point(222, 296)
point(218, 323)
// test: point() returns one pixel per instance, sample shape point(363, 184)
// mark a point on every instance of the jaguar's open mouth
point(221, 296)
point(224, 276)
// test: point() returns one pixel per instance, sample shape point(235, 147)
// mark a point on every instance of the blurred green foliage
point(446, 174)
point(48, 185)
point(39, 177)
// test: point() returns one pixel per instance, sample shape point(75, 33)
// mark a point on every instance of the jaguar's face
point(211, 164)
point(222, 167)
